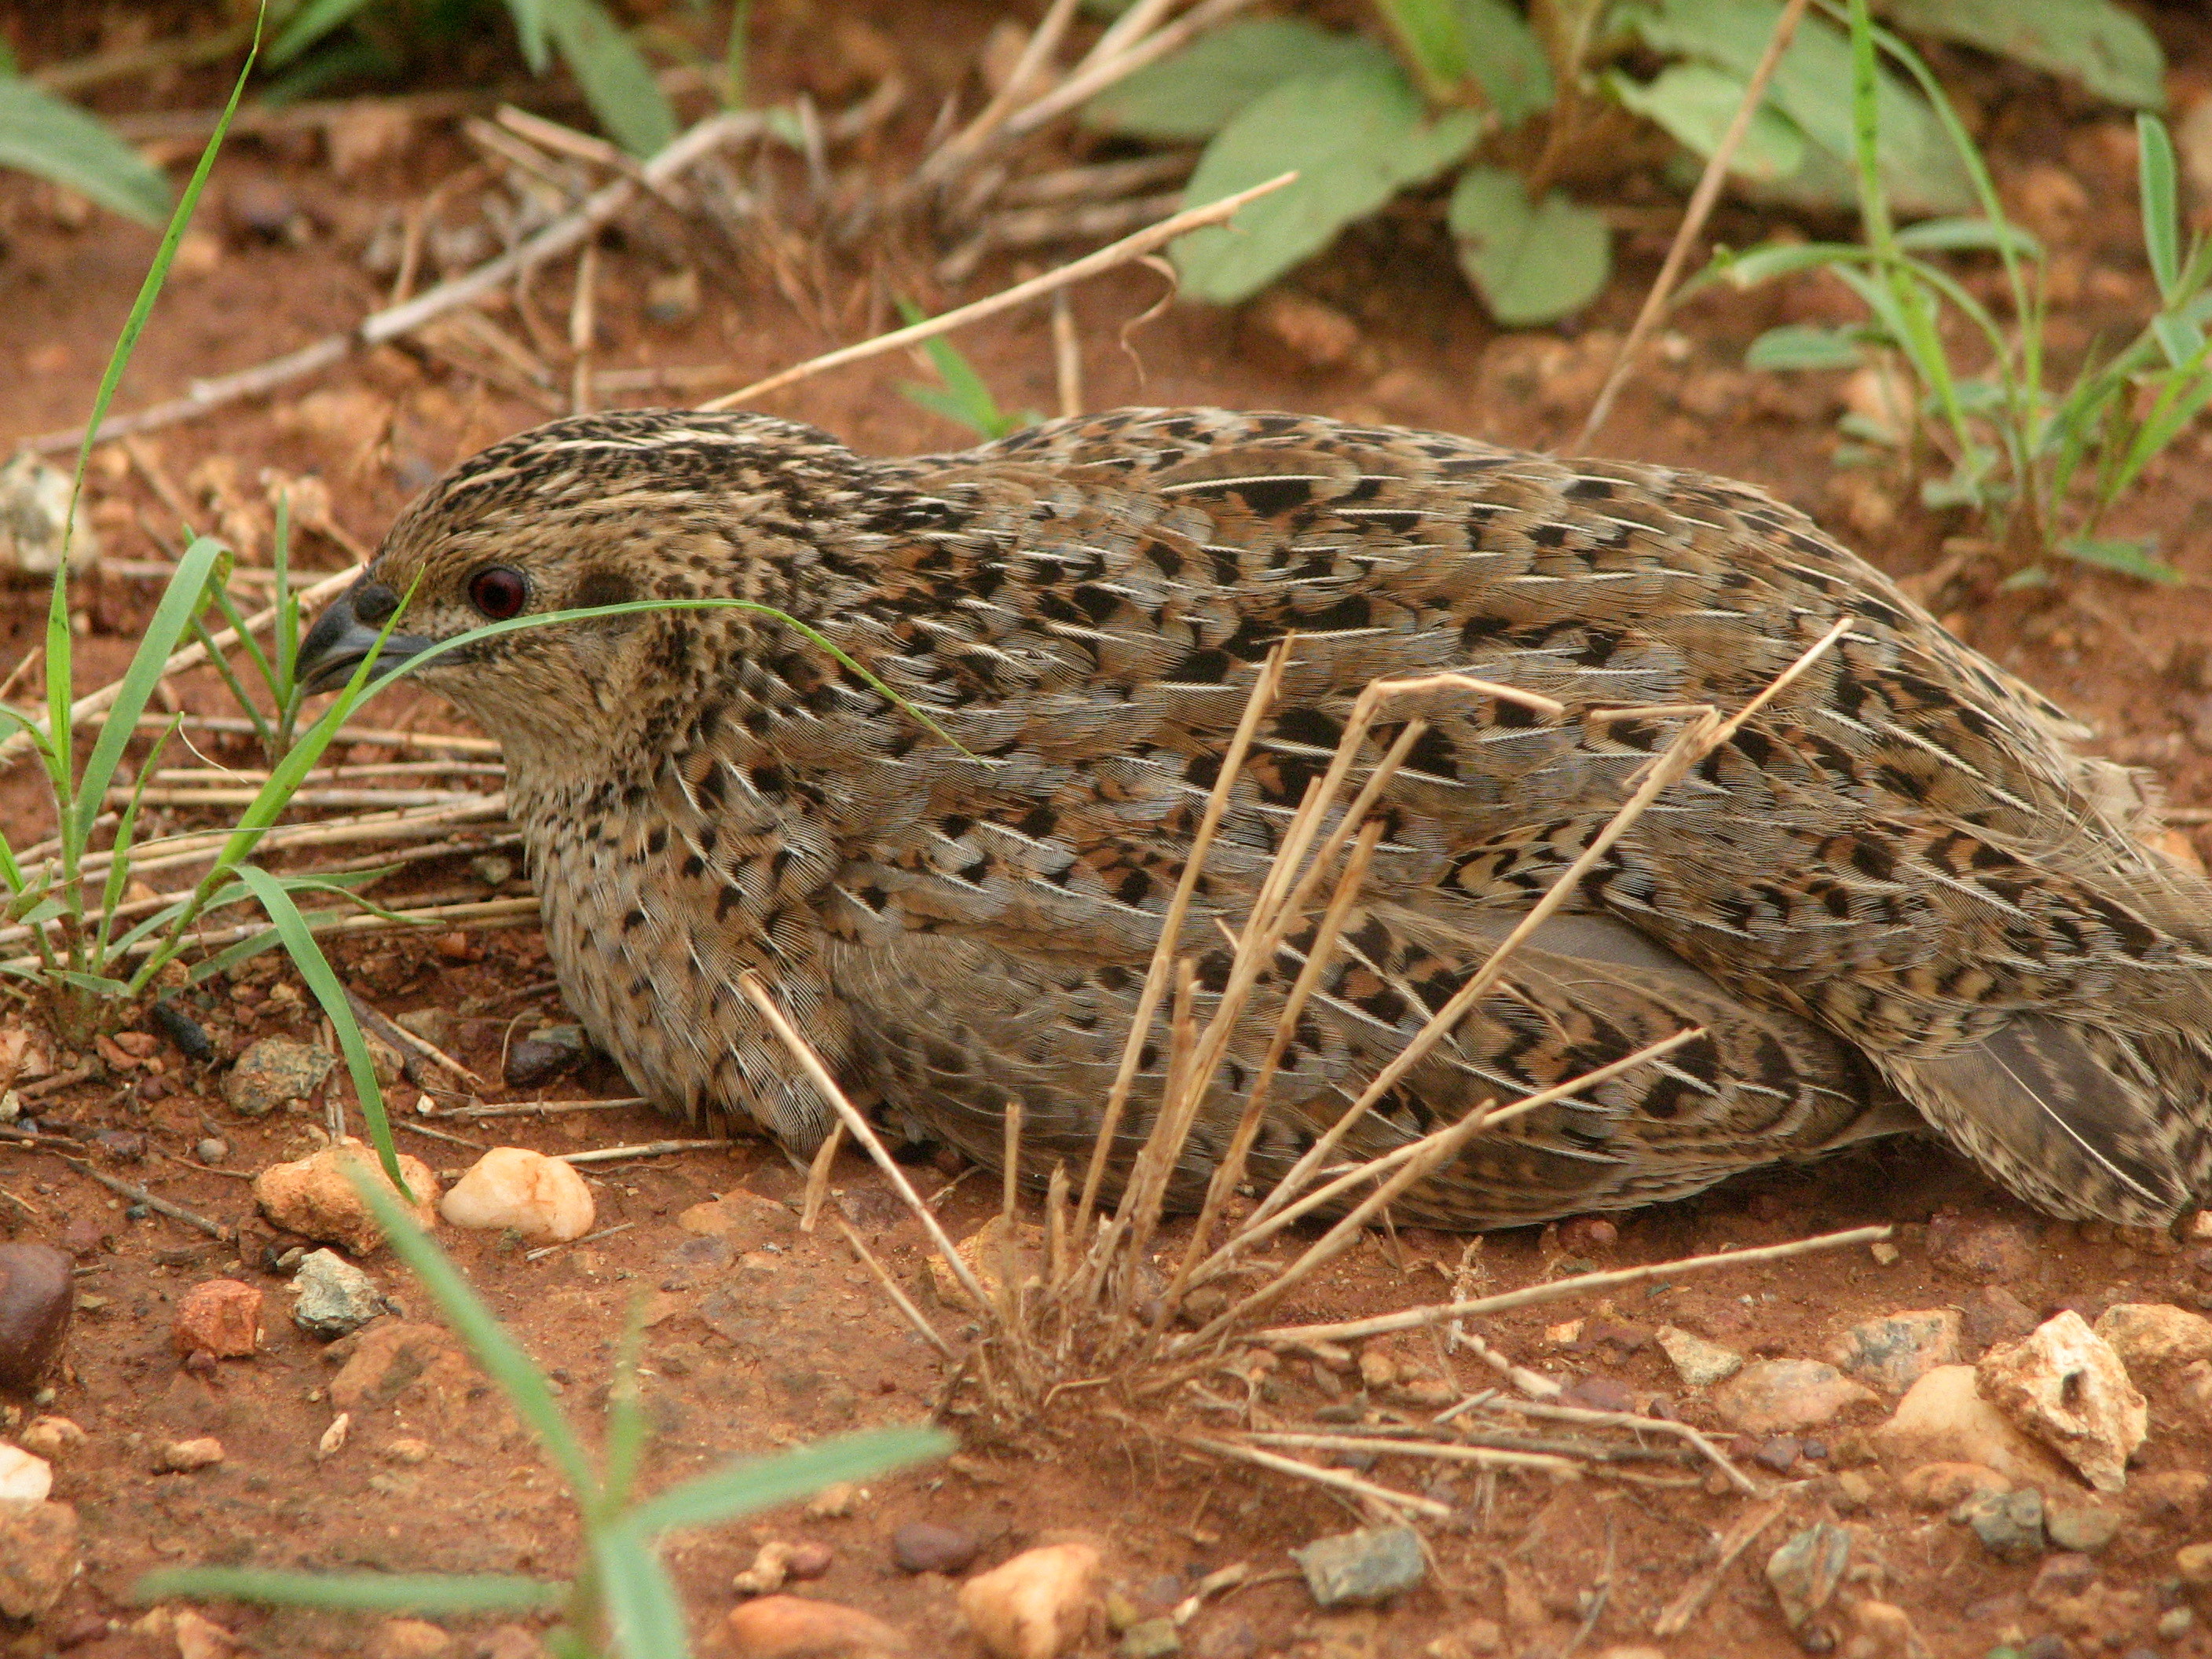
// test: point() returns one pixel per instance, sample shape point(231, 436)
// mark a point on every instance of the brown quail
point(1898, 897)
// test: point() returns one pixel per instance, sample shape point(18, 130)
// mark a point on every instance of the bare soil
point(782, 1347)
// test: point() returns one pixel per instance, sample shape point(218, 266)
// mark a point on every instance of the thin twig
point(646, 1149)
point(899, 1298)
point(539, 1107)
point(1106, 258)
point(138, 1195)
point(1337, 1478)
point(1686, 1606)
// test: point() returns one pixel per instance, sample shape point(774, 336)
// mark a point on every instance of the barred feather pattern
point(1899, 897)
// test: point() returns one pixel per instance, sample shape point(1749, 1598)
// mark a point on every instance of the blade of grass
point(419, 1592)
point(644, 1615)
point(742, 1488)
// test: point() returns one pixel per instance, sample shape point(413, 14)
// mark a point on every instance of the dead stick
point(138, 1195)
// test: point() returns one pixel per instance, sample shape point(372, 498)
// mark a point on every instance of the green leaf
point(2095, 42)
point(1695, 103)
point(759, 1483)
point(1195, 93)
point(1812, 85)
point(1433, 35)
point(1532, 263)
point(308, 25)
point(53, 138)
point(2128, 556)
point(2162, 211)
point(1508, 61)
point(400, 1592)
point(1963, 235)
point(1357, 136)
point(616, 80)
point(1799, 345)
point(644, 1613)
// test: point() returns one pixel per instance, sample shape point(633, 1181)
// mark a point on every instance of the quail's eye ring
point(500, 592)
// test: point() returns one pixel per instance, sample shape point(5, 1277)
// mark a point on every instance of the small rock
point(1777, 1452)
point(2082, 1528)
point(1881, 1630)
point(2171, 1494)
point(274, 1073)
point(198, 1637)
point(924, 1547)
point(335, 1297)
point(1885, 1254)
point(1992, 1315)
point(2174, 1623)
point(546, 1055)
point(2155, 1334)
point(541, 1198)
point(834, 1501)
point(1894, 1352)
point(981, 1253)
point(766, 1573)
point(314, 1197)
point(2065, 1386)
point(407, 1451)
point(1150, 1638)
point(794, 1627)
point(1371, 1565)
point(222, 1317)
point(1037, 1606)
point(1774, 1396)
point(434, 1025)
point(2060, 1576)
point(50, 1437)
point(213, 1150)
point(1946, 1485)
point(493, 870)
point(2194, 1563)
point(806, 1558)
point(25, 1477)
point(673, 296)
point(1989, 1252)
point(409, 1639)
point(2009, 1523)
point(1599, 1394)
point(1805, 1571)
point(37, 1295)
point(1378, 1371)
point(184, 1456)
point(1944, 1417)
point(34, 512)
point(1698, 1363)
point(38, 1555)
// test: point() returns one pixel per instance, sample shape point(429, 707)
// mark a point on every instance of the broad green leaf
point(308, 25)
point(1195, 93)
point(1433, 35)
point(1507, 61)
point(616, 80)
point(2161, 213)
point(1695, 104)
point(2129, 557)
point(357, 1592)
point(2095, 42)
point(1812, 85)
point(53, 138)
point(1531, 262)
point(1357, 136)
point(1799, 345)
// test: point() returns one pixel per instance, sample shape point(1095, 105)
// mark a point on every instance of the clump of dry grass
point(1105, 1325)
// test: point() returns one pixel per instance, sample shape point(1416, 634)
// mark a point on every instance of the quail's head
point(585, 513)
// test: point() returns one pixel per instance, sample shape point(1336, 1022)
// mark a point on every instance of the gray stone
point(2084, 1528)
point(336, 1298)
point(1698, 1363)
point(1150, 1638)
point(493, 870)
point(546, 1055)
point(274, 1073)
point(2009, 1523)
point(1372, 1565)
point(1894, 1352)
point(1805, 1571)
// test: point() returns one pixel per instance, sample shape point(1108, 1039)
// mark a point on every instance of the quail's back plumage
point(1897, 898)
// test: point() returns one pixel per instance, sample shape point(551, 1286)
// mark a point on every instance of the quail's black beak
point(344, 634)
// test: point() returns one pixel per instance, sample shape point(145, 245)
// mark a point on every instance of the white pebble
point(22, 1475)
point(541, 1198)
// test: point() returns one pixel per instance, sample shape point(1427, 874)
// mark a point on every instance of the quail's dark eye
point(499, 593)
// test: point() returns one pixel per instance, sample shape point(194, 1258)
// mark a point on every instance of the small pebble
point(213, 1150)
point(37, 1295)
point(2176, 1623)
point(184, 1456)
point(1698, 1363)
point(1775, 1396)
point(335, 1297)
point(2010, 1524)
point(25, 1477)
point(493, 870)
point(1777, 1452)
point(546, 1055)
point(409, 1638)
point(274, 1073)
point(1150, 1638)
point(2060, 1576)
point(1894, 1352)
point(2081, 1527)
point(407, 1451)
point(314, 1197)
point(1371, 1565)
point(1805, 1571)
point(222, 1317)
point(834, 1501)
point(50, 1436)
point(1039, 1604)
point(808, 1559)
point(766, 1573)
point(38, 1559)
point(924, 1547)
point(1989, 1252)
point(541, 1199)
point(799, 1627)
point(181, 1029)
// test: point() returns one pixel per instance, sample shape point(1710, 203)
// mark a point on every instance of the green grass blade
point(308, 25)
point(364, 1592)
point(645, 1615)
point(286, 602)
point(2160, 203)
point(126, 829)
point(502, 1358)
point(235, 686)
point(627, 1427)
point(759, 1483)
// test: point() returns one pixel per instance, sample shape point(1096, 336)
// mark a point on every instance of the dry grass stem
point(539, 1107)
point(1676, 1617)
point(1305, 1471)
point(891, 1288)
point(1641, 1424)
point(1442, 1450)
point(646, 1149)
point(818, 1178)
point(955, 152)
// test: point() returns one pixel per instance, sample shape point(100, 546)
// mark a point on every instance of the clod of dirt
point(335, 1297)
point(2083, 1528)
point(1894, 1352)
point(1881, 1630)
point(2155, 1334)
point(1777, 1396)
point(1319, 334)
point(198, 1637)
point(2065, 1386)
point(835, 1502)
point(1946, 1485)
point(2009, 1523)
point(37, 1295)
point(35, 510)
point(1150, 1638)
point(50, 1437)
point(982, 1253)
point(1698, 1363)
point(2061, 1576)
point(2194, 1563)
point(743, 1220)
point(923, 1546)
point(38, 1555)
point(24, 1478)
point(221, 1316)
point(795, 1627)
point(1944, 1417)
point(409, 1639)
point(540, 1198)
point(543, 1055)
point(315, 1198)
point(1805, 1572)
point(185, 1456)
point(770, 1567)
point(1990, 1252)
point(273, 1073)
point(1991, 1315)
point(1347, 1569)
point(1037, 1606)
